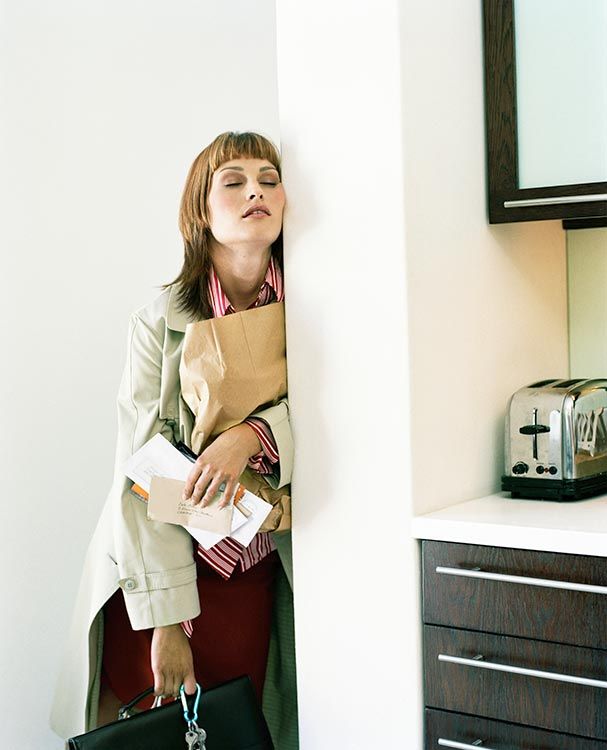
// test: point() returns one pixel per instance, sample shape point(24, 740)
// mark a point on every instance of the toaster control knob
point(553, 470)
point(520, 468)
point(540, 469)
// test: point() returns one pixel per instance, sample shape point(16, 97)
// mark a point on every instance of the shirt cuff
point(264, 461)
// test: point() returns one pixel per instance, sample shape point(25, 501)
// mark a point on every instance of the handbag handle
point(125, 711)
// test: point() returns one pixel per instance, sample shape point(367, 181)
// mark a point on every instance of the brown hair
point(194, 224)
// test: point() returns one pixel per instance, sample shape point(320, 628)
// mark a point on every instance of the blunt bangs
point(234, 145)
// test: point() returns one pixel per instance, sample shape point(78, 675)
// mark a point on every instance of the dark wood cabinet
point(583, 204)
point(545, 612)
point(473, 685)
point(454, 730)
point(513, 640)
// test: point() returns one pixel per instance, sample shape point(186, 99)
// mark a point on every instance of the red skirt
point(231, 635)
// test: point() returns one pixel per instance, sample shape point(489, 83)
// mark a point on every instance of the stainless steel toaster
point(556, 440)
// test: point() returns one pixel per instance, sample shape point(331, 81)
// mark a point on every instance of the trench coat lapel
point(172, 407)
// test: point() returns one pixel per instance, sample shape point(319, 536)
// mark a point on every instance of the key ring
point(184, 702)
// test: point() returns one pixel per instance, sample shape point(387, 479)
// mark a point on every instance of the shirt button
point(130, 584)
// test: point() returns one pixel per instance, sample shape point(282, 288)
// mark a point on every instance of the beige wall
point(487, 304)
point(587, 259)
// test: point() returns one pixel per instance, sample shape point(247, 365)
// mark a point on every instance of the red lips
point(256, 207)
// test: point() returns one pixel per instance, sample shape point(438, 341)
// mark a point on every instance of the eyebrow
point(261, 169)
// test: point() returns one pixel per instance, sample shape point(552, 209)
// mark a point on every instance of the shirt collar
point(221, 304)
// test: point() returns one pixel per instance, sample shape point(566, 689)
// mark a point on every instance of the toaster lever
point(534, 429)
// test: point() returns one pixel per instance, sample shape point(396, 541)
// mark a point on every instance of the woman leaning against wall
point(152, 606)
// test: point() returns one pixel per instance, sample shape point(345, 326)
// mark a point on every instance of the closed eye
point(234, 184)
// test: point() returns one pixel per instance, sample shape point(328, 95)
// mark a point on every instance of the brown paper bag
point(230, 367)
point(279, 518)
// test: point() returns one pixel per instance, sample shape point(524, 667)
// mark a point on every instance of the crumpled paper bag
point(231, 367)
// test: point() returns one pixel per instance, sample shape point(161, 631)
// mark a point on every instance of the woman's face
point(236, 186)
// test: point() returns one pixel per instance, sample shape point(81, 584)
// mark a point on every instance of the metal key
point(202, 735)
point(195, 737)
point(192, 740)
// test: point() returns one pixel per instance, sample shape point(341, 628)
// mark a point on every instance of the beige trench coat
point(152, 562)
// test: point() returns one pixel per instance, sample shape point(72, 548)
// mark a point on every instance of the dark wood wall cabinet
point(515, 649)
point(508, 202)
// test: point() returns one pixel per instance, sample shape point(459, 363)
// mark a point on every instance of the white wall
point(487, 304)
point(105, 104)
point(356, 596)
point(404, 387)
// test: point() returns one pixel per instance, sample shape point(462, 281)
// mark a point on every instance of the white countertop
point(578, 527)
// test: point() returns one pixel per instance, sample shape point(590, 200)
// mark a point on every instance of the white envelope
point(207, 539)
point(259, 510)
point(157, 457)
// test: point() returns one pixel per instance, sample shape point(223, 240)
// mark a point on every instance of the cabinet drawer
point(542, 602)
point(496, 735)
point(488, 686)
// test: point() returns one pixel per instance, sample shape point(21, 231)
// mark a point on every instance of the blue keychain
point(195, 736)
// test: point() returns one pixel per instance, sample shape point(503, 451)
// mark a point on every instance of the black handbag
point(229, 714)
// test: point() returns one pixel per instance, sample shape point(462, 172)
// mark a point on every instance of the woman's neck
point(240, 273)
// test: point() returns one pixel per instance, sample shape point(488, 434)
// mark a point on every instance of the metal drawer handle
point(463, 745)
point(547, 582)
point(480, 664)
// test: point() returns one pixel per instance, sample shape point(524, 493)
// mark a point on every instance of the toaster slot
point(568, 383)
point(542, 383)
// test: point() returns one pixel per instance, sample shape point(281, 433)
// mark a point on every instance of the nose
point(254, 194)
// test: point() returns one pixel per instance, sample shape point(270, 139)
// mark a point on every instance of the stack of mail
point(159, 472)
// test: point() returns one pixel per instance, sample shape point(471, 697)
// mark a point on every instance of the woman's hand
point(223, 460)
point(172, 663)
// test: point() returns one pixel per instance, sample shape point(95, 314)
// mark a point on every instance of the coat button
point(129, 584)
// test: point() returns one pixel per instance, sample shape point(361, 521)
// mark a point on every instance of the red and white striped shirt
point(228, 553)
point(225, 555)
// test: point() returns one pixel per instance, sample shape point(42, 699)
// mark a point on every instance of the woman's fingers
point(208, 486)
point(189, 682)
point(158, 683)
point(175, 684)
point(223, 461)
point(212, 489)
point(166, 683)
point(230, 488)
point(193, 476)
point(199, 485)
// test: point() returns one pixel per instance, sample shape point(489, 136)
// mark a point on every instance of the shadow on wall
point(304, 325)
